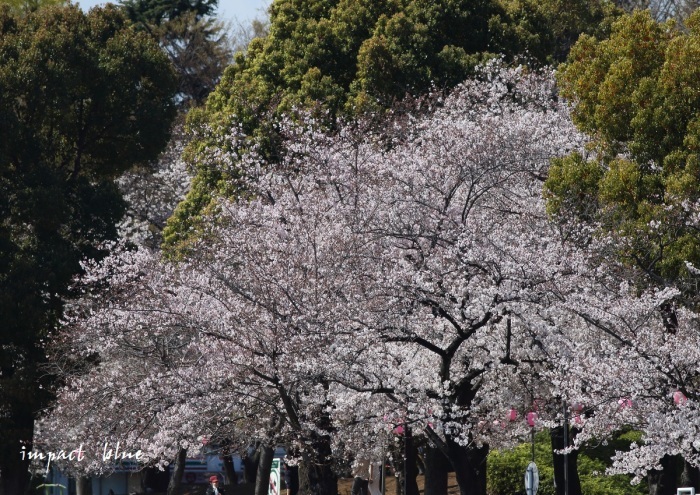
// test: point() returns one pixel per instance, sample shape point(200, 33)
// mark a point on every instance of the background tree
point(157, 12)
point(506, 467)
point(344, 58)
point(243, 33)
point(635, 94)
point(661, 10)
point(24, 6)
point(195, 41)
point(199, 50)
point(82, 98)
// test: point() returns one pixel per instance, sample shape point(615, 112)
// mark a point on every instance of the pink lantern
point(577, 407)
point(679, 398)
point(512, 415)
point(398, 430)
point(531, 418)
point(578, 420)
point(625, 403)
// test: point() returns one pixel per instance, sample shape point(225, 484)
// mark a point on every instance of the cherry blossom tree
point(628, 358)
point(407, 276)
point(153, 191)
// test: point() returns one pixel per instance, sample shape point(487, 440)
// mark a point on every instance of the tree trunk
point(83, 486)
point(178, 471)
point(262, 479)
point(156, 480)
point(690, 477)
point(559, 442)
point(397, 462)
point(250, 465)
point(469, 464)
point(410, 485)
point(230, 470)
point(315, 474)
point(663, 482)
point(436, 471)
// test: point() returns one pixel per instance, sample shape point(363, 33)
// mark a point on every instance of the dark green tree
point(195, 41)
point(156, 12)
point(345, 57)
point(82, 98)
point(23, 6)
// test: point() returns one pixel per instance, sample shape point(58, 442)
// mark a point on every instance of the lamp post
point(532, 478)
point(566, 453)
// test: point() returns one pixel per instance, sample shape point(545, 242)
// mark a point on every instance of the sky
point(229, 10)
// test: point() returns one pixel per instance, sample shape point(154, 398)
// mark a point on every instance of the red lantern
point(531, 418)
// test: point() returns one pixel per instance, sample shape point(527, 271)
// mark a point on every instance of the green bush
point(506, 468)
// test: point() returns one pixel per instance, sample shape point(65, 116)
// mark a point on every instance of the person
point(213, 488)
point(375, 478)
point(291, 479)
point(362, 473)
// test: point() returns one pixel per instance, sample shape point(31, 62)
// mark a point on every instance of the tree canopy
point(82, 98)
point(25, 6)
point(360, 273)
point(156, 12)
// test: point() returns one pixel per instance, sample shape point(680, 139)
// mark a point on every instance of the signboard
point(274, 478)
point(532, 479)
point(686, 491)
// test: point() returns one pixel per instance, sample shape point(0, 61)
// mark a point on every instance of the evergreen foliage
point(637, 94)
point(155, 12)
point(344, 58)
point(25, 6)
point(82, 98)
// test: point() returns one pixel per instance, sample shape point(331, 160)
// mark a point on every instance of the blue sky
point(232, 10)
